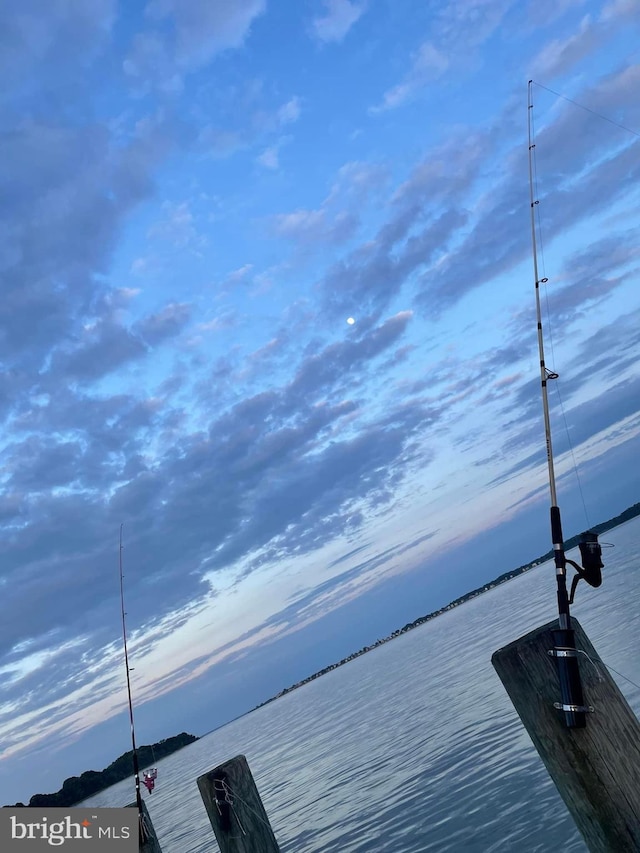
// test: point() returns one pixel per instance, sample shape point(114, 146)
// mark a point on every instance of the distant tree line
point(78, 788)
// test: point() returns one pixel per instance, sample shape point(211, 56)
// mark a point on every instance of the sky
point(195, 199)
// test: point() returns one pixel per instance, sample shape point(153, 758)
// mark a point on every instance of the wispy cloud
point(456, 31)
point(307, 227)
point(428, 65)
point(184, 35)
point(561, 55)
point(338, 18)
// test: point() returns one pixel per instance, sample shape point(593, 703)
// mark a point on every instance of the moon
point(350, 321)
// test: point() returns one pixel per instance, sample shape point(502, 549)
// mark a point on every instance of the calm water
point(414, 746)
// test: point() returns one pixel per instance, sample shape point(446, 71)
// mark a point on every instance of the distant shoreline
point(616, 521)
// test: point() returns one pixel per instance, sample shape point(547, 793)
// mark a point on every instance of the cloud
point(541, 13)
point(335, 221)
point(456, 30)
point(290, 111)
point(102, 348)
point(428, 65)
point(594, 273)
point(339, 17)
point(559, 56)
point(577, 139)
point(178, 227)
point(244, 122)
point(183, 36)
point(619, 9)
point(165, 324)
point(270, 158)
point(67, 193)
point(610, 351)
point(309, 227)
point(358, 182)
point(372, 275)
point(203, 30)
point(53, 35)
point(425, 215)
point(609, 354)
point(582, 421)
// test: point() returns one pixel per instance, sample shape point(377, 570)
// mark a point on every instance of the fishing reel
point(591, 556)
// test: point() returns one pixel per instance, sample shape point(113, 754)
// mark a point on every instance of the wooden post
point(596, 769)
point(235, 809)
point(151, 845)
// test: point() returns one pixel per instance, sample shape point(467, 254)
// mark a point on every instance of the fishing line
point(575, 464)
point(604, 665)
point(234, 795)
point(588, 109)
point(626, 678)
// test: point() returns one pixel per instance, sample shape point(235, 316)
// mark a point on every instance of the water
point(414, 746)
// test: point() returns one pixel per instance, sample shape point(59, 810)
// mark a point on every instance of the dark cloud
point(609, 351)
point(337, 362)
point(581, 423)
point(316, 503)
point(576, 140)
point(594, 274)
point(50, 34)
point(40, 464)
point(107, 346)
point(587, 419)
point(65, 195)
point(165, 324)
point(348, 555)
point(372, 276)
point(427, 214)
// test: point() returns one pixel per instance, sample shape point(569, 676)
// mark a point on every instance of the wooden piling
point(232, 801)
point(151, 845)
point(596, 769)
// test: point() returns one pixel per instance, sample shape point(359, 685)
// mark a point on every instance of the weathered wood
point(596, 769)
point(232, 801)
point(151, 845)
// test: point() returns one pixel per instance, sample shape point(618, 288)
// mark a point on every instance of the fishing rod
point(564, 651)
point(142, 827)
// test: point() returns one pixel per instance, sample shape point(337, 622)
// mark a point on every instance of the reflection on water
point(414, 746)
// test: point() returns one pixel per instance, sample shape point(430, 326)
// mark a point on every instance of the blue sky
point(195, 198)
